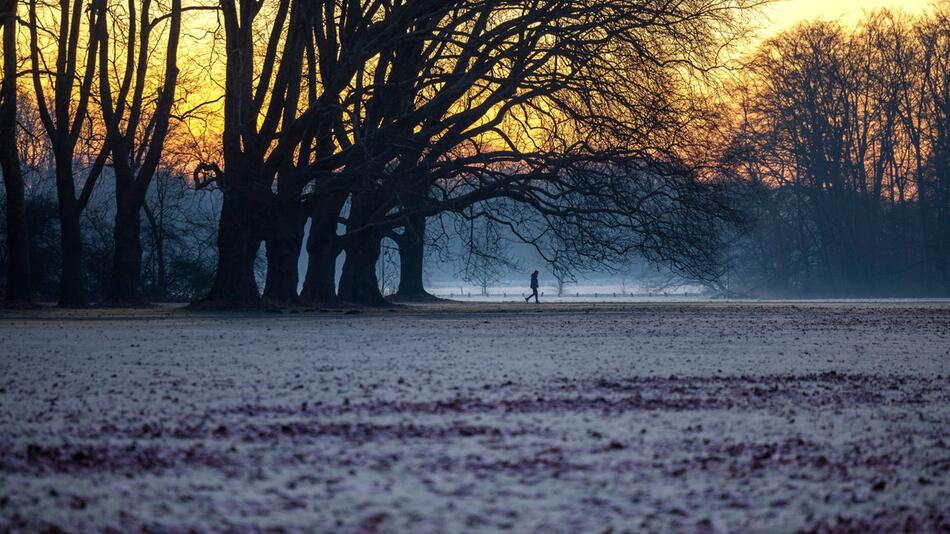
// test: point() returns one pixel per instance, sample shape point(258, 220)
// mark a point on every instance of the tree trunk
point(124, 285)
point(19, 287)
point(320, 283)
point(358, 282)
point(411, 260)
point(71, 293)
point(234, 282)
point(322, 250)
point(283, 242)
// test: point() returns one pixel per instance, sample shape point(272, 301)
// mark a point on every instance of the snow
point(708, 416)
point(586, 291)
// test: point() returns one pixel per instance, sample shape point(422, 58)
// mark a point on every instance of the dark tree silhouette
point(134, 138)
point(19, 287)
point(411, 242)
point(843, 136)
point(426, 119)
point(588, 130)
point(248, 170)
point(65, 120)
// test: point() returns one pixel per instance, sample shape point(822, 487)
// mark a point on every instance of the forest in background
point(842, 136)
point(599, 135)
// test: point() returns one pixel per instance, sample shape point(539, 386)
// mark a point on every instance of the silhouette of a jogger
point(534, 287)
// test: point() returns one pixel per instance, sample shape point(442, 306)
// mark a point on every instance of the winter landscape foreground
point(560, 417)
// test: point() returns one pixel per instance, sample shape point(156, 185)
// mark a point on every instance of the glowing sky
point(787, 13)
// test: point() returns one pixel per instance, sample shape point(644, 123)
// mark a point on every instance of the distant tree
point(837, 129)
point(933, 34)
point(485, 258)
point(179, 251)
point(562, 275)
point(389, 272)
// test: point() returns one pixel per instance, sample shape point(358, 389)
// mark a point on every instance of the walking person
point(534, 288)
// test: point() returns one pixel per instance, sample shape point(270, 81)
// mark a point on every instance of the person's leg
point(535, 295)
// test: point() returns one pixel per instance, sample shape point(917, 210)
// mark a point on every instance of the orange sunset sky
point(784, 14)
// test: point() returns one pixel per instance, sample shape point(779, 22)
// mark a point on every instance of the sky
point(784, 14)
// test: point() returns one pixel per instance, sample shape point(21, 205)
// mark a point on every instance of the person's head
point(535, 273)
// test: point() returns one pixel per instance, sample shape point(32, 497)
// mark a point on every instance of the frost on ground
point(689, 417)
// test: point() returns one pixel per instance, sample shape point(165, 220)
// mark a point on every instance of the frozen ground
point(565, 418)
point(587, 291)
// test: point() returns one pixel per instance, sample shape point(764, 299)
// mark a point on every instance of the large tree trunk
point(411, 259)
point(320, 284)
point(234, 282)
point(322, 250)
point(124, 285)
point(71, 292)
point(283, 242)
point(19, 288)
point(358, 282)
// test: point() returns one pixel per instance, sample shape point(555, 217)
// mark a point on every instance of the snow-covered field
point(587, 291)
point(554, 418)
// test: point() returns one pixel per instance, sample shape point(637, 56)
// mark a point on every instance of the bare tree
point(134, 137)
point(485, 258)
point(265, 127)
point(244, 180)
point(19, 288)
point(542, 65)
point(179, 260)
point(837, 129)
point(70, 80)
point(563, 274)
point(934, 39)
point(558, 119)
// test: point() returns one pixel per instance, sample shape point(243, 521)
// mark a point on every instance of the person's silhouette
point(534, 287)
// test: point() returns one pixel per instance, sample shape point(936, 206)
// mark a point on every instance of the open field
point(717, 416)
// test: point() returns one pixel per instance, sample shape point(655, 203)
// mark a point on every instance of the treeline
point(585, 129)
point(844, 136)
point(178, 237)
point(566, 121)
